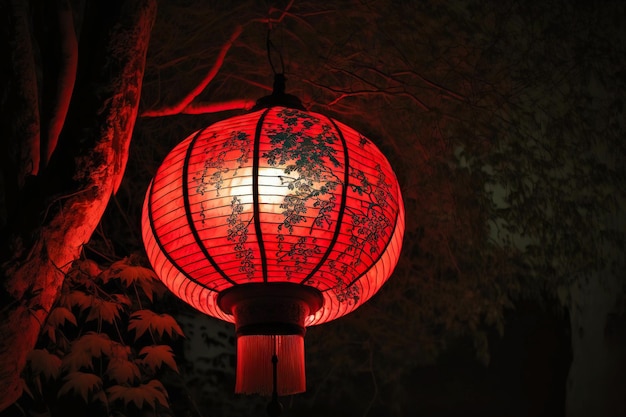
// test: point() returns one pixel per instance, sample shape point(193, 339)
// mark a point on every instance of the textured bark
point(60, 209)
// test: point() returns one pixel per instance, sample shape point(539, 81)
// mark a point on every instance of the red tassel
point(255, 368)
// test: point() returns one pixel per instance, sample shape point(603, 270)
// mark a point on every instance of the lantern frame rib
point(342, 207)
point(186, 202)
point(380, 255)
point(157, 241)
point(255, 193)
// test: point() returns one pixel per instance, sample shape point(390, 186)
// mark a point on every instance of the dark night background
point(505, 124)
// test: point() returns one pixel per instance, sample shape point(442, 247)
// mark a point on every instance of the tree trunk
point(59, 209)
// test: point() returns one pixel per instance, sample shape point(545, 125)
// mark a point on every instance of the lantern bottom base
point(255, 373)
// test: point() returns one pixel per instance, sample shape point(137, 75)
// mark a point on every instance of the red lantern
point(275, 220)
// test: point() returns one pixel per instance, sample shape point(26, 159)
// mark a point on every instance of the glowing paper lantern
point(275, 220)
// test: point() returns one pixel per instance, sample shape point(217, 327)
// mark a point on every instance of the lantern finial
point(278, 96)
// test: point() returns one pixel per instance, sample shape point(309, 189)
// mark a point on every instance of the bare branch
point(344, 94)
point(204, 108)
point(282, 14)
point(426, 81)
point(252, 83)
point(186, 101)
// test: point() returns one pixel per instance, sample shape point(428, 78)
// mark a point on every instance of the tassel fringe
point(254, 364)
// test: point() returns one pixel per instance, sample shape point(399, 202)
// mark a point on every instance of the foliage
point(103, 348)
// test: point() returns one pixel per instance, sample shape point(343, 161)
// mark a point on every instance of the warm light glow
point(270, 202)
point(272, 186)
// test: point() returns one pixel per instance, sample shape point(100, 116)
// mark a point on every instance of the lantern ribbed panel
point(278, 195)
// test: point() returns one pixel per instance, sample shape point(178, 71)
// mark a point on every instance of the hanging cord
point(270, 45)
point(278, 96)
point(274, 408)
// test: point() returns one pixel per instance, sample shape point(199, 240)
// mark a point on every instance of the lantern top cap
point(278, 96)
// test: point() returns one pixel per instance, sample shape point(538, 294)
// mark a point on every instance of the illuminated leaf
point(81, 383)
point(97, 344)
point(44, 363)
point(78, 359)
point(25, 388)
point(140, 322)
point(122, 371)
point(149, 394)
point(164, 323)
point(143, 320)
point(76, 299)
point(59, 315)
point(104, 310)
point(51, 331)
point(84, 271)
point(130, 274)
point(122, 299)
point(89, 346)
point(156, 356)
point(119, 351)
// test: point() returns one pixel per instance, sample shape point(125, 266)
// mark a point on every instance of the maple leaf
point(76, 298)
point(25, 388)
point(44, 363)
point(89, 346)
point(156, 356)
point(130, 274)
point(122, 299)
point(122, 371)
point(51, 331)
point(84, 271)
point(97, 344)
point(150, 394)
point(59, 315)
point(81, 383)
point(143, 320)
point(104, 310)
point(120, 351)
point(77, 359)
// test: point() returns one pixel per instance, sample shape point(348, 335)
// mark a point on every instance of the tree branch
point(186, 101)
point(204, 108)
point(342, 94)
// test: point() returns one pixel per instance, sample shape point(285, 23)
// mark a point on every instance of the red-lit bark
point(56, 212)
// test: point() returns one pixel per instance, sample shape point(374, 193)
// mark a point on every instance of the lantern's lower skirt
point(255, 368)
